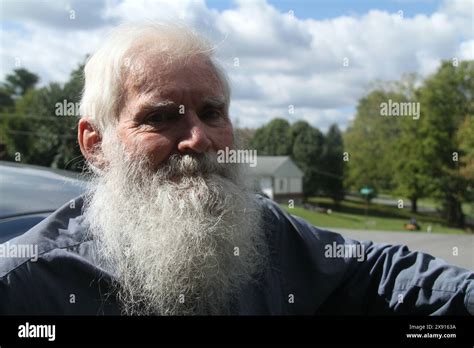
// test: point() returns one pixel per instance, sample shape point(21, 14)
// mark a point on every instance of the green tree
point(35, 130)
point(20, 81)
point(307, 153)
point(446, 99)
point(15, 128)
point(273, 139)
point(465, 139)
point(69, 155)
point(17, 84)
point(6, 100)
point(410, 164)
point(333, 164)
point(370, 142)
point(297, 128)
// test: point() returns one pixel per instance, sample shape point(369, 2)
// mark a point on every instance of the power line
point(328, 174)
point(37, 117)
point(20, 132)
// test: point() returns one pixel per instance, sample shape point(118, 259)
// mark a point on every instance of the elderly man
point(166, 229)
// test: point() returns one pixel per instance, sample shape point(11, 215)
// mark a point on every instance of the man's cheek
point(224, 138)
point(155, 149)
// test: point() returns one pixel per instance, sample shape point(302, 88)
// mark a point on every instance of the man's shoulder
point(299, 254)
point(62, 230)
point(276, 215)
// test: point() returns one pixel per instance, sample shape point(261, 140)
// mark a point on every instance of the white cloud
point(466, 50)
point(282, 60)
point(62, 15)
point(46, 51)
point(255, 115)
point(192, 12)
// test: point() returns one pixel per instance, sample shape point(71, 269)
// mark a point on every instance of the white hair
point(107, 70)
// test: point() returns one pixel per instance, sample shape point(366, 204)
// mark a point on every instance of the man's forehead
point(157, 68)
point(194, 77)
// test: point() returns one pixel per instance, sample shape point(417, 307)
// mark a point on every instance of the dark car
point(30, 193)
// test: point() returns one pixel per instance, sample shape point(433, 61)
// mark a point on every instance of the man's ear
point(89, 139)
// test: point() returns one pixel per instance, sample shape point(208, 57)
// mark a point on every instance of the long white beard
point(182, 239)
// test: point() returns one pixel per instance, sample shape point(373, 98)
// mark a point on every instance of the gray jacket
point(312, 271)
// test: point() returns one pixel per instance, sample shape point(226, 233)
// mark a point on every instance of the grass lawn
point(467, 208)
point(351, 214)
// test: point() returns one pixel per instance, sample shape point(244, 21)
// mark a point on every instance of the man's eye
point(211, 114)
point(160, 118)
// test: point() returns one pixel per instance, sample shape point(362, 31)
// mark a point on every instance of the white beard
point(178, 245)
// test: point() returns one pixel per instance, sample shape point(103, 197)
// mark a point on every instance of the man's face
point(166, 238)
point(179, 110)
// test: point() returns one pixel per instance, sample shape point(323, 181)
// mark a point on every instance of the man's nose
point(196, 138)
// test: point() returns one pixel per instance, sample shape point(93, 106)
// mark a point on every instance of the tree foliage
point(320, 158)
point(30, 128)
point(429, 156)
point(307, 153)
point(333, 164)
point(446, 98)
point(370, 142)
point(274, 139)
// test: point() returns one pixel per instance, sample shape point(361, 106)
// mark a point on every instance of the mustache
point(193, 165)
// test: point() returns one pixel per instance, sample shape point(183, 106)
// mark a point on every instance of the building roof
point(270, 165)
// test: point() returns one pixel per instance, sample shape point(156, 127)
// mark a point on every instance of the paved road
point(436, 244)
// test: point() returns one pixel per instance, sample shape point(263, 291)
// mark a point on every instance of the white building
point(278, 177)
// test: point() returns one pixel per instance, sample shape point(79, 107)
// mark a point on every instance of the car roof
point(28, 189)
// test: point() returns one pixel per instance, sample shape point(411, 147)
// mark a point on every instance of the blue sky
point(324, 9)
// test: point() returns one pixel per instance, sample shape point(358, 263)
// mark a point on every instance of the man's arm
point(386, 279)
point(394, 280)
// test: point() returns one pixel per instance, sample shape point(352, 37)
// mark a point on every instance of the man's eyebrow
point(215, 102)
point(208, 102)
point(155, 105)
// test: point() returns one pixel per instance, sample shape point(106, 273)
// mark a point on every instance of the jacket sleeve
point(393, 279)
point(388, 279)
